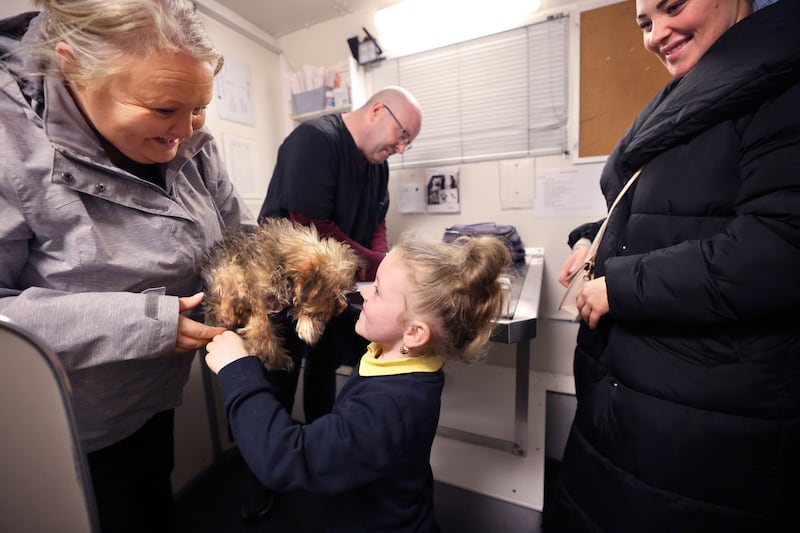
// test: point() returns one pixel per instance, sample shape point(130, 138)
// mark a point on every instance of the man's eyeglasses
point(405, 138)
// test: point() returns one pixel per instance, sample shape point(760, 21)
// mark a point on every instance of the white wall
point(266, 78)
point(12, 7)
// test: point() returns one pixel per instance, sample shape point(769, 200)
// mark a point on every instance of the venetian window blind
point(502, 96)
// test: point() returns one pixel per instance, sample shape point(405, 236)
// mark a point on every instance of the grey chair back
point(44, 478)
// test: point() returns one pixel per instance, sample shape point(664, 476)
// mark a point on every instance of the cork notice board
point(617, 76)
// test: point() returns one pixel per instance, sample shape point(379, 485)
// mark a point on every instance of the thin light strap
point(599, 236)
point(588, 265)
point(624, 190)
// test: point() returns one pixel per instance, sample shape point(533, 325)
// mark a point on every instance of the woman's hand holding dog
point(226, 348)
point(192, 335)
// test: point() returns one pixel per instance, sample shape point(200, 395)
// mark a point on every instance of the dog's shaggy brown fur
point(250, 277)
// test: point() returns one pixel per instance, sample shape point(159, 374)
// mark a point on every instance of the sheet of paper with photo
point(442, 191)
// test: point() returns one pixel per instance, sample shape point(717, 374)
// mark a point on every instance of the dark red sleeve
point(379, 243)
point(327, 228)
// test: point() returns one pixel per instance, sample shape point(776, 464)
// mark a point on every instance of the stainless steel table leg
point(519, 445)
point(521, 397)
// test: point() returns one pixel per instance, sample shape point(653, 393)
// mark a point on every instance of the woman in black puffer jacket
point(687, 367)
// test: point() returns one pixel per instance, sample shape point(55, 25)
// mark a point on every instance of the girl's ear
point(416, 334)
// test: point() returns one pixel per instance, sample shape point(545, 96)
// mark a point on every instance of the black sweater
point(371, 454)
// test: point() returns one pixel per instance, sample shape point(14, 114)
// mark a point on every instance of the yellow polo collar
point(371, 364)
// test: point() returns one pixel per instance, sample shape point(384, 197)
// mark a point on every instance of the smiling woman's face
point(680, 32)
point(146, 111)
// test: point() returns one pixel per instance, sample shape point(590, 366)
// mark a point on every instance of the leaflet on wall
point(411, 198)
point(569, 192)
point(234, 92)
point(442, 190)
point(240, 160)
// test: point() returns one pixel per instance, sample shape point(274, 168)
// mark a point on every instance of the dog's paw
point(309, 329)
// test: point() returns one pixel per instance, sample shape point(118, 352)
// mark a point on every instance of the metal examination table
point(519, 330)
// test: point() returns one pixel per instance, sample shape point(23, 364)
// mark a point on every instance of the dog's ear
point(304, 276)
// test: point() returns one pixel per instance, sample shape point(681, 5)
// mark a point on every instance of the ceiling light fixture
point(417, 25)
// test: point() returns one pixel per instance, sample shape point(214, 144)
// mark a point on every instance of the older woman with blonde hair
point(111, 191)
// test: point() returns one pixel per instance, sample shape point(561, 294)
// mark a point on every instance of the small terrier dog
point(282, 266)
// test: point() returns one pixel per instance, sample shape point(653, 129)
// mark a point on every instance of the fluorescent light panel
point(417, 25)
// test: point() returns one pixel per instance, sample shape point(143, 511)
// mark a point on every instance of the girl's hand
point(224, 349)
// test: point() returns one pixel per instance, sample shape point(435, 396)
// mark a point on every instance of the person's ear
point(416, 334)
point(65, 56)
point(374, 111)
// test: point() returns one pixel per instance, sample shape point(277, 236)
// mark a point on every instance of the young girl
point(430, 302)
